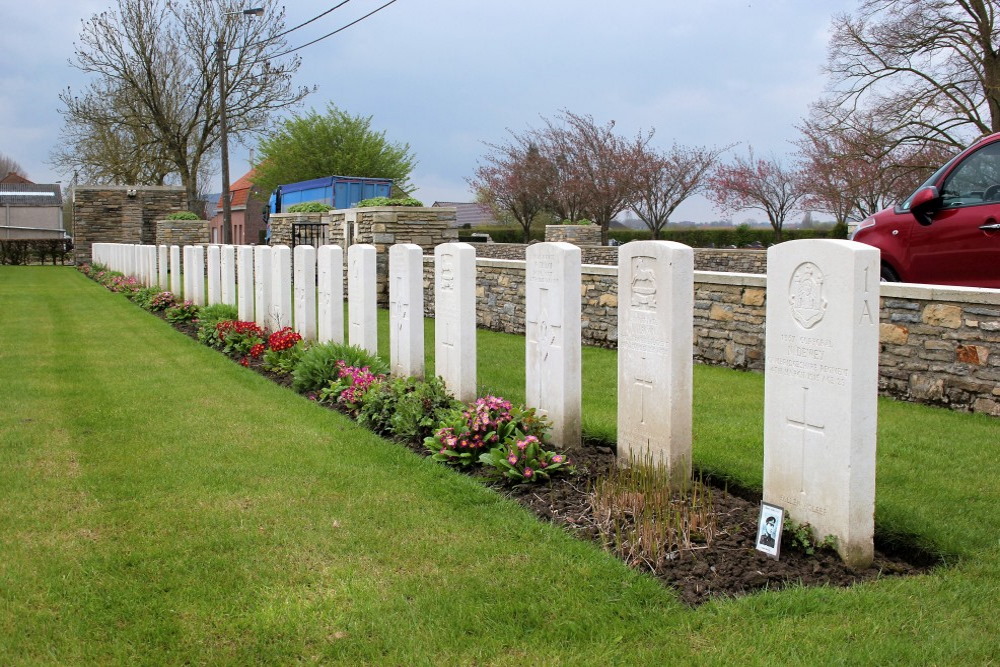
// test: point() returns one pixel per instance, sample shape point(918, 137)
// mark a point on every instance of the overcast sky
point(447, 75)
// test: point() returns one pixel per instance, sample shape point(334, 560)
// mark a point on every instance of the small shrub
point(240, 340)
point(182, 312)
point(489, 422)
point(283, 351)
point(162, 301)
point(317, 366)
point(388, 201)
point(209, 317)
point(310, 207)
point(124, 285)
point(408, 408)
point(144, 296)
point(350, 387)
point(525, 460)
point(184, 215)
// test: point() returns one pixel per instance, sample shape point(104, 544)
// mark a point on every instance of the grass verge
point(162, 504)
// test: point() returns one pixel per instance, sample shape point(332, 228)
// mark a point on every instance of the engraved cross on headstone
point(644, 385)
point(804, 428)
point(546, 338)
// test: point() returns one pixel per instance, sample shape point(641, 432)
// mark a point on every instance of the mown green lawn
point(161, 504)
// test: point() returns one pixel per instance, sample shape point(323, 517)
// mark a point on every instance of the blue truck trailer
point(337, 191)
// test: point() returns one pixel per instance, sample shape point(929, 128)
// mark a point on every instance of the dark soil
point(728, 566)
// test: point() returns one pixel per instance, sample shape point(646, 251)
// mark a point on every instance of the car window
point(976, 180)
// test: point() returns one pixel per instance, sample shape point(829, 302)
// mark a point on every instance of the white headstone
point(455, 318)
point(305, 291)
point(655, 332)
point(214, 274)
point(245, 286)
point(820, 388)
point(163, 266)
point(262, 285)
point(198, 279)
point(189, 273)
point(175, 271)
point(281, 295)
point(552, 333)
point(330, 261)
point(406, 310)
point(362, 325)
point(228, 270)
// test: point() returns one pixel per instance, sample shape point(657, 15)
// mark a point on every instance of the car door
point(962, 245)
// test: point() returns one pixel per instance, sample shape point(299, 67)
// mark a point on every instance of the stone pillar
point(330, 325)
point(820, 389)
point(655, 364)
point(552, 335)
point(362, 327)
point(305, 291)
point(406, 310)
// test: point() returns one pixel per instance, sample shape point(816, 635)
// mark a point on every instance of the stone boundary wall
point(182, 232)
point(581, 235)
point(281, 226)
point(705, 259)
point(939, 345)
point(108, 214)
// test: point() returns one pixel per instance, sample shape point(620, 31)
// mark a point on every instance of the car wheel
point(887, 275)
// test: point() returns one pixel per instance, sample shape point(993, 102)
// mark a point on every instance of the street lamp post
point(227, 211)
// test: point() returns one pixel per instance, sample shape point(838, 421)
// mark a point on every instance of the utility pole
point(227, 211)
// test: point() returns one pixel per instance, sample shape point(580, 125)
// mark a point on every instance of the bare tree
point(10, 166)
point(664, 179)
point(763, 184)
point(158, 58)
point(597, 167)
point(859, 167)
point(929, 68)
point(515, 179)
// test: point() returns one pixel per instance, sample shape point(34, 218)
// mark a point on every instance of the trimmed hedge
point(27, 251)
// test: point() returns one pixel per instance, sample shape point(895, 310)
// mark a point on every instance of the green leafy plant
point(489, 422)
point(800, 536)
point(408, 408)
point(310, 207)
point(209, 317)
point(581, 221)
point(389, 201)
point(350, 387)
point(144, 296)
point(182, 312)
point(283, 352)
point(184, 215)
point(317, 366)
point(241, 340)
point(161, 301)
point(525, 460)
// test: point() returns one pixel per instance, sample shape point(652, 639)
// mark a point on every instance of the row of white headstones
point(821, 341)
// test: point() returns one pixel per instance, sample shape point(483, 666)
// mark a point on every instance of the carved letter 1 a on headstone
point(552, 336)
point(330, 267)
point(820, 389)
point(655, 363)
point(362, 325)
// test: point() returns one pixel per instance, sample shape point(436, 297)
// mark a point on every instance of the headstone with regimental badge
point(281, 292)
point(553, 338)
point(655, 331)
point(245, 286)
point(455, 318)
point(262, 285)
point(305, 291)
point(820, 389)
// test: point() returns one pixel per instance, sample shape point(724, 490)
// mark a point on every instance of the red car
point(948, 231)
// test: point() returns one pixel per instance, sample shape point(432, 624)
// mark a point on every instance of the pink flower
point(558, 458)
point(512, 459)
point(528, 472)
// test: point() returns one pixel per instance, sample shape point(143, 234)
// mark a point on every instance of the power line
point(291, 30)
point(331, 34)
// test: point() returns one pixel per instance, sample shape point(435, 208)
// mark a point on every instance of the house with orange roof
point(248, 208)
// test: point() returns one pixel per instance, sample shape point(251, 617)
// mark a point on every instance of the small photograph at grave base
point(769, 530)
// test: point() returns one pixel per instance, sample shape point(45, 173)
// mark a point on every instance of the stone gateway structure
point(122, 214)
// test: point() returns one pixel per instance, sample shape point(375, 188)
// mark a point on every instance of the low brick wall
point(581, 235)
point(182, 232)
point(705, 259)
point(938, 345)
